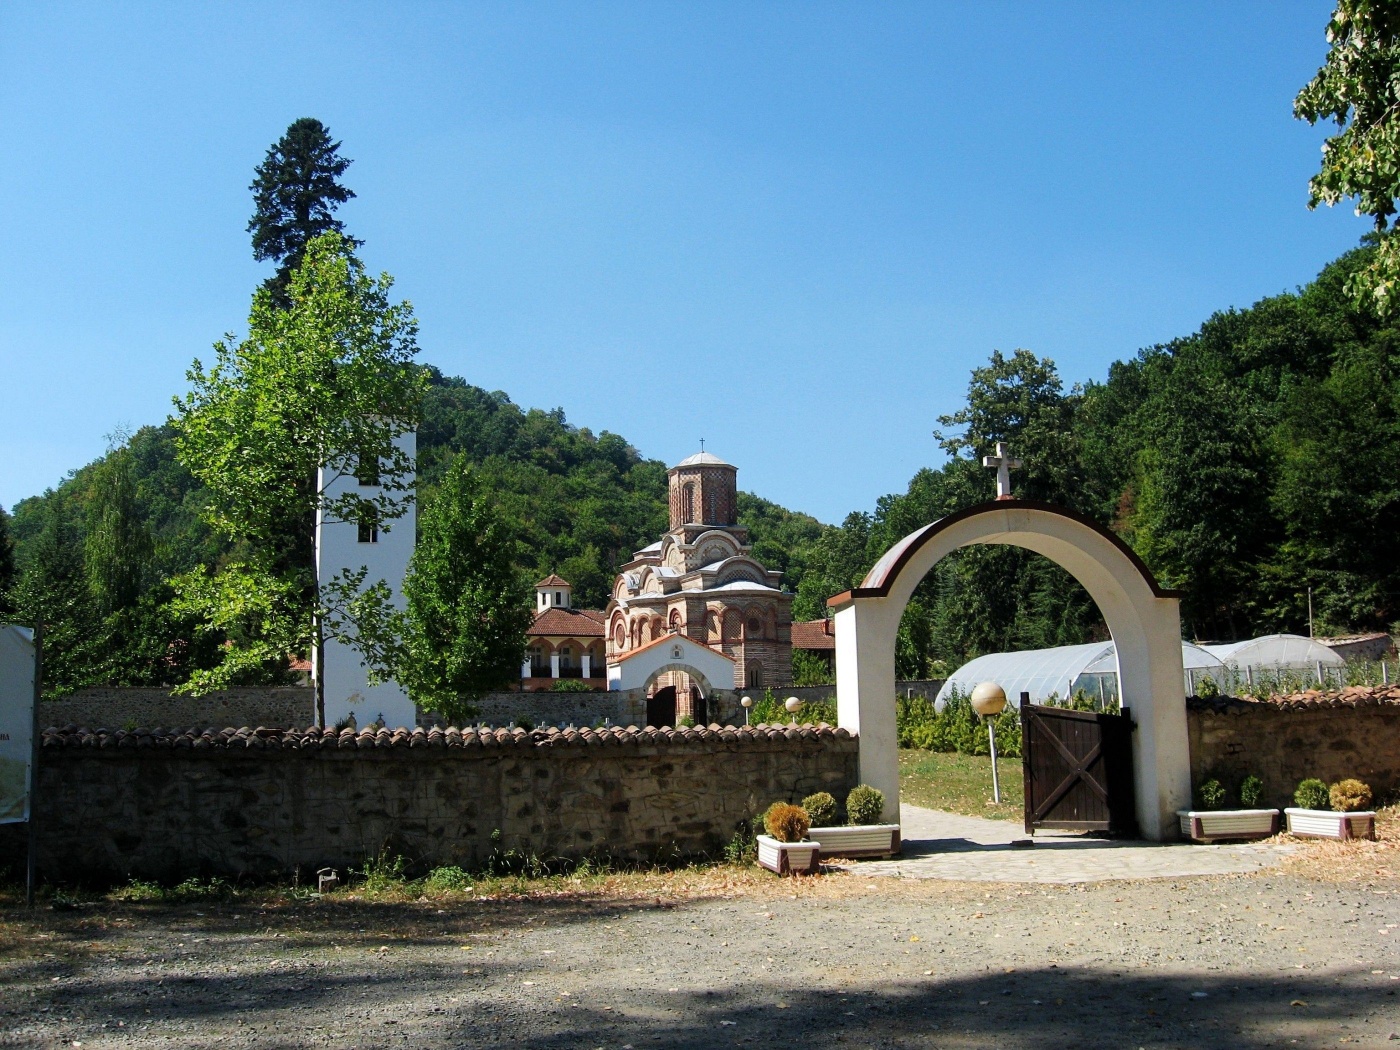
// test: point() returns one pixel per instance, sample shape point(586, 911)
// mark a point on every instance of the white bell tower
point(384, 553)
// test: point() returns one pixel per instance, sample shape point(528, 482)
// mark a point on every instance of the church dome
point(704, 459)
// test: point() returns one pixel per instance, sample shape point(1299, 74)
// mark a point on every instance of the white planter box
point(1208, 825)
point(1327, 824)
point(860, 840)
point(787, 858)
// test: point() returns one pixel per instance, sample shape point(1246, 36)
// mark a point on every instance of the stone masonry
point(170, 805)
point(130, 708)
point(1329, 735)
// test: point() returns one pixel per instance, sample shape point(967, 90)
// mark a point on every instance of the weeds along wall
point(118, 805)
point(1352, 732)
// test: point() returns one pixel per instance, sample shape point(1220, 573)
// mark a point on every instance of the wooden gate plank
point(1077, 767)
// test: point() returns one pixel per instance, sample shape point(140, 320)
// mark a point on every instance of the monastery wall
point(131, 708)
point(171, 805)
point(1347, 733)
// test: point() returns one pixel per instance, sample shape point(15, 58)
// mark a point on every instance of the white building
point(384, 551)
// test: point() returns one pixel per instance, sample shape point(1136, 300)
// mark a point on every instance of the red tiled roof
point(665, 638)
point(263, 739)
point(814, 634)
point(572, 623)
point(1350, 696)
point(554, 581)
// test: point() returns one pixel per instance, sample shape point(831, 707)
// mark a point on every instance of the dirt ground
point(1306, 957)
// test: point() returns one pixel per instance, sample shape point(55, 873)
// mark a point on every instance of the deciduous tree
point(1358, 89)
point(314, 388)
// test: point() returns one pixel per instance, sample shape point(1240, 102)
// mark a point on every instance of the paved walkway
point(941, 845)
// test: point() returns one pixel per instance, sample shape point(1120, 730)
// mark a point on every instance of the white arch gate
point(1144, 619)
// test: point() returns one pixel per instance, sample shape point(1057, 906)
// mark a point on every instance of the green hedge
point(955, 728)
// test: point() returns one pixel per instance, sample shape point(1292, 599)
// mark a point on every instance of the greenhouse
point(1065, 670)
point(1275, 652)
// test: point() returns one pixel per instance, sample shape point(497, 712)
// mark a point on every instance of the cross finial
point(1004, 465)
point(702, 444)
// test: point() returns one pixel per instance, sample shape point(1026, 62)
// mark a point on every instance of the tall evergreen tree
point(296, 193)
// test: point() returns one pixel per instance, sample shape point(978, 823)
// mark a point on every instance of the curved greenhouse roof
point(1276, 652)
point(1060, 671)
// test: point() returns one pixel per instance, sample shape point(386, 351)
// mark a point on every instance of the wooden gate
point(1078, 770)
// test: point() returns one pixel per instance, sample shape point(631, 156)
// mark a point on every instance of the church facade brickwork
point(701, 580)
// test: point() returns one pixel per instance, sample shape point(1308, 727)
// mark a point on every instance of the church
point(725, 619)
point(699, 585)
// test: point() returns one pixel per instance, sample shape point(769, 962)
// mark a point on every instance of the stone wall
point(130, 708)
point(1332, 735)
point(169, 805)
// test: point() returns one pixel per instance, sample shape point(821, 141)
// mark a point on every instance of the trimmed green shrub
point(1251, 792)
point(865, 805)
point(1347, 796)
point(1211, 794)
point(821, 808)
point(786, 822)
point(1312, 794)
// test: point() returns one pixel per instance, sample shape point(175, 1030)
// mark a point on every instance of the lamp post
point(793, 705)
point(746, 703)
point(989, 700)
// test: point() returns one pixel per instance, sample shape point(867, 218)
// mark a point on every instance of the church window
point(755, 677)
point(367, 469)
point(558, 597)
point(688, 504)
point(714, 516)
point(369, 532)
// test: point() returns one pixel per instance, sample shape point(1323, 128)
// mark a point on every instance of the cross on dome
point(1004, 465)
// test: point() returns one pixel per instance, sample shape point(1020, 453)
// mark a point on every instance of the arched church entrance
point(1143, 618)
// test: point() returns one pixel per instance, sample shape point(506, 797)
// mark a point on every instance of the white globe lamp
point(793, 705)
point(746, 703)
point(989, 700)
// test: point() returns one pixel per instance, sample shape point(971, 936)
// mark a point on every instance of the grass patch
point(957, 783)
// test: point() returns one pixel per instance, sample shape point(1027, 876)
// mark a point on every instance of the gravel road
point(1245, 961)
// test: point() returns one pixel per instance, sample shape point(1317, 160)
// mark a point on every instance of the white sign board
point(16, 720)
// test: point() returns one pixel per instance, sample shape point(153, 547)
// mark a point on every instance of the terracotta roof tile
point(553, 580)
point(1351, 696)
point(814, 634)
point(264, 739)
point(573, 623)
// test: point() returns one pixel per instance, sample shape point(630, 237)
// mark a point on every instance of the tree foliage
point(1358, 89)
point(317, 387)
point(296, 190)
point(468, 605)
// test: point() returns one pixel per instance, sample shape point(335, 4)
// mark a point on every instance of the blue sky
point(791, 229)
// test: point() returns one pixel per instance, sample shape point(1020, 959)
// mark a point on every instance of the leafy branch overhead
point(1358, 89)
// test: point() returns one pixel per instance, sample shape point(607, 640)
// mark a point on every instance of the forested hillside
point(580, 505)
point(1247, 462)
